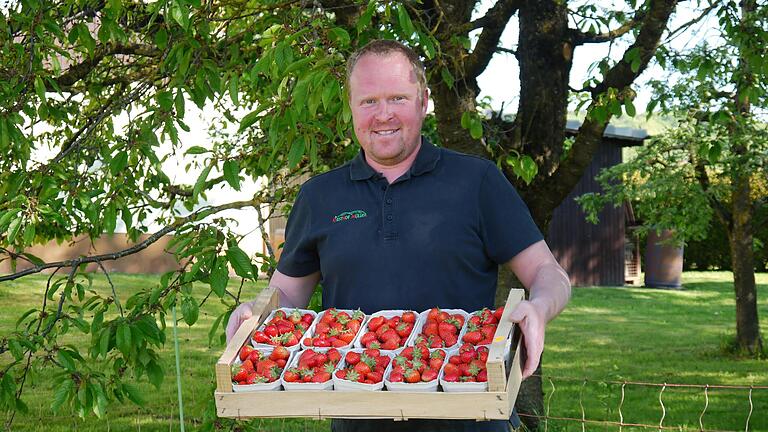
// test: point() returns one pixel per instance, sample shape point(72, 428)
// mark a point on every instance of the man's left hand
point(531, 321)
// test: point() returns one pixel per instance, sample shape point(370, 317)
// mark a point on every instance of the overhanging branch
point(580, 38)
point(494, 22)
point(193, 217)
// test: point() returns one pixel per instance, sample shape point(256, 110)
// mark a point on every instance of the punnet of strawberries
point(366, 367)
point(441, 329)
point(481, 326)
point(284, 328)
point(417, 364)
point(469, 365)
point(257, 367)
point(335, 328)
point(313, 366)
point(388, 333)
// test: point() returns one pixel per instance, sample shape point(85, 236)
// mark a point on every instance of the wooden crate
point(496, 403)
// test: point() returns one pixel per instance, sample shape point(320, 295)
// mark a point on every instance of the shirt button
point(389, 200)
point(383, 188)
point(389, 217)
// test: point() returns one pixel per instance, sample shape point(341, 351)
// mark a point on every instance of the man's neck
point(393, 172)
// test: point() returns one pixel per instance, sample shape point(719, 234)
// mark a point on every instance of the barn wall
point(591, 254)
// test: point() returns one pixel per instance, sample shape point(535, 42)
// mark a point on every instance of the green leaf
point(165, 100)
point(29, 234)
point(40, 88)
point(62, 394)
point(196, 150)
point(216, 323)
point(110, 218)
point(200, 183)
point(104, 342)
point(123, 338)
point(189, 310)
point(16, 350)
point(66, 360)
point(133, 393)
point(180, 14)
point(13, 230)
point(339, 36)
point(155, 374)
point(466, 119)
point(629, 107)
point(219, 276)
point(476, 128)
point(447, 77)
point(240, 262)
point(100, 405)
point(296, 152)
point(118, 163)
point(232, 173)
point(405, 20)
point(233, 89)
point(161, 38)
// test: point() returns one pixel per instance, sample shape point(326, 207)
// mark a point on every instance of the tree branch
point(580, 38)
point(494, 23)
point(620, 77)
point(193, 217)
point(703, 178)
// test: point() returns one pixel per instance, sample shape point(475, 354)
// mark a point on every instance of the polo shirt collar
point(426, 161)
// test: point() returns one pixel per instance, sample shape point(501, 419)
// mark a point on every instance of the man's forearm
point(550, 290)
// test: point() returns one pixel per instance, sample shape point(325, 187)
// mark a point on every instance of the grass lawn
point(605, 337)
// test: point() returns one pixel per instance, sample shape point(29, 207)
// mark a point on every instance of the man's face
point(388, 107)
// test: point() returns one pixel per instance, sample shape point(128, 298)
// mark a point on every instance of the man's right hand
point(239, 315)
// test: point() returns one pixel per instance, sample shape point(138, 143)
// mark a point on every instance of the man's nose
point(384, 112)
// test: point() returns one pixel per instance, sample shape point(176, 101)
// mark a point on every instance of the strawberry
point(498, 313)
point(352, 358)
point(411, 376)
point(245, 352)
point(450, 377)
point(321, 377)
point(240, 375)
point(375, 322)
point(429, 375)
point(404, 329)
point(482, 376)
point(396, 377)
point(279, 353)
point(390, 344)
point(409, 317)
point(472, 337)
point(260, 337)
point(451, 369)
point(433, 313)
point(291, 375)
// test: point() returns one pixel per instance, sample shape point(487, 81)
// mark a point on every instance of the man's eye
point(398, 98)
point(368, 101)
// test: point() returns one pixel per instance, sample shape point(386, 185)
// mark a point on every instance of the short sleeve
point(299, 256)
point(506, 225)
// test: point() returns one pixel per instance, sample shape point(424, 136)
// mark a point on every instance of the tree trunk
point(742, 258)
point(747, 322)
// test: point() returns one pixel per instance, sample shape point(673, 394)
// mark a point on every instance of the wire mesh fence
point(573, 404)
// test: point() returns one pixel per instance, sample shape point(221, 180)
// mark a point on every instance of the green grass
point(611, 335)
point(606, 335)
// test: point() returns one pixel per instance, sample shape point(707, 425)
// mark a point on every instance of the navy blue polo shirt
point(434, 237)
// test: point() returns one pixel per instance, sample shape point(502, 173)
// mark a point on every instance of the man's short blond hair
point(383, 47)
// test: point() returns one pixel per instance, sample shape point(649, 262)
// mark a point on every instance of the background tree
point(708, 165)
point(72, 69)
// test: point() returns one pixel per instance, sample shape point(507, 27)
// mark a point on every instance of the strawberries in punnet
point(441, 330)
point(313, 366)
point(284, 328)
point(258, 367)
point(388, 333)
point(367, 367)
point(417, 364)
point(335, 329)
point(482, 326)
point(467, 366)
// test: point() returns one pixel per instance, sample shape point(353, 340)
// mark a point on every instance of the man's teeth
point(386, 132)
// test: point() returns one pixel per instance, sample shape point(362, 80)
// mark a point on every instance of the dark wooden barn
point(606, 254)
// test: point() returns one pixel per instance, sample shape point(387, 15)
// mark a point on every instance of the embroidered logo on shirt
point(347, 215)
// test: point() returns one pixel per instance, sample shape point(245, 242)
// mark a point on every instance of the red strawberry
point(240, 375)
point(430, 328)
point(352, 358)
point(375, 322)
point(498, 313)
point(260, 337)
point(245, 352)
point(472, 337)
point(396, 377)
point(404, 329)
point(279, 353)
point(429, 375)
point(433, 313)
point(412, 376)
point(452, 369)
point(482, 376)
point(321, 377)
point(450, 377)
point(409, 317)
point(390, 344)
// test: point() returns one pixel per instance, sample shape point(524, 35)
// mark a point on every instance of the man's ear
point(424, 101)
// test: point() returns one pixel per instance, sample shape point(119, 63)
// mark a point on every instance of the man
point(407, 225)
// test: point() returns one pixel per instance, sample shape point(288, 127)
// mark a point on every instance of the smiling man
point(407, 225)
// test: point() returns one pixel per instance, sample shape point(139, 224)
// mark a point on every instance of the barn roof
point(626, 136)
